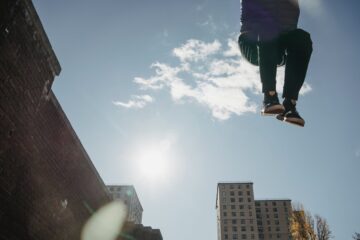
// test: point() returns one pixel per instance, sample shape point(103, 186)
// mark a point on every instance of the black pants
point(292, 49)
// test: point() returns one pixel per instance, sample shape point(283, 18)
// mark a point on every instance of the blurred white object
point(106, 223)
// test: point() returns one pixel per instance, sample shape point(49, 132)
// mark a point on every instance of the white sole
point(273, 110)
point(295, 121)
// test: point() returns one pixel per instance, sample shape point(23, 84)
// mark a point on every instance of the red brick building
point(48, 184)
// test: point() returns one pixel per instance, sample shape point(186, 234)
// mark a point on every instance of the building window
point(243, 229)
point(241, 199)
point(241, 206)
point(251, 221)
point(243, 236)
point(274, 203)
point(226, 236)
point(241, 214)
point(225, 221)
point(231, 186)
point(232, 206)
point(250, 214)
point(259, 222)
point(233, 214)
point(252, 236)
point(252, 228)
point(232, 199)
point(232, 193)
point(248, 193)
point(234, 236)
point(249, 207)
point(224, 206)
point(239, 186)
point(225, 229)
point(240, 193)
point(277, 222)
point(275, 209)
point(266, 209)
point(234, 229)
point(276, 215)
point(249, 199)
point(277, 229)
point(247, 186)
point(278, 235)
point(233, 221)
point(242, 221)
point(224, 200)
point(266, 204)
point(269, 229)
point(224, 214)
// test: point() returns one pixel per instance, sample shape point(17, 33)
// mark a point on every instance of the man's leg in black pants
point(269, 58)
point(265, 55)
point(298, 47)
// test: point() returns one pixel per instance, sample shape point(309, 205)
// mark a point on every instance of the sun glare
point(153, 161)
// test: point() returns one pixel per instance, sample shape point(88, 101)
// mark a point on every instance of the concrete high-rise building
point(127, 194)
point(240, 216)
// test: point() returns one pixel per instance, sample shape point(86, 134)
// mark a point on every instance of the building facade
point(127, 194)
point(49, 186)
point(138, 231)
point(240, 216)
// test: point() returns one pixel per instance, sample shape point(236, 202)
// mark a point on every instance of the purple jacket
point(268, 18)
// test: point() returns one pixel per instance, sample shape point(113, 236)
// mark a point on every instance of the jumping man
point(269, 37)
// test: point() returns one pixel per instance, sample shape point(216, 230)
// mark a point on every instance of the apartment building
point(240, 216)
point(127, 194)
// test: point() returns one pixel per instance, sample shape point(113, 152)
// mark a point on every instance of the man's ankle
point(272, 93)
point(289, 103)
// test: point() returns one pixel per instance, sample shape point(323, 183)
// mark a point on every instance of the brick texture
point(48, 184)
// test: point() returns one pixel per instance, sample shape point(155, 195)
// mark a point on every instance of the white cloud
point(195, 50)
point(233, 49)
point(210, 74)
point(136, 101)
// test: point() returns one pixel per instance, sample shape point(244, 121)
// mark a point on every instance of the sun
point(154, 161)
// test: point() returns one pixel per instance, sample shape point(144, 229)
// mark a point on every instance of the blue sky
point(193, 134)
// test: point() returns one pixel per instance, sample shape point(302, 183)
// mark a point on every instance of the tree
point(356, 236)
point(303, 225)
point(322, 228)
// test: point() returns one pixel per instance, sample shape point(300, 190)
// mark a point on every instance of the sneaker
point(271, 105)
point(291, 115)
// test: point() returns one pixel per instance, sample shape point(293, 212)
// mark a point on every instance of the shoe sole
point(295, 121)
point(273, 110)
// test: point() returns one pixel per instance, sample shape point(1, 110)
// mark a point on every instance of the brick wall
point(48, 184)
